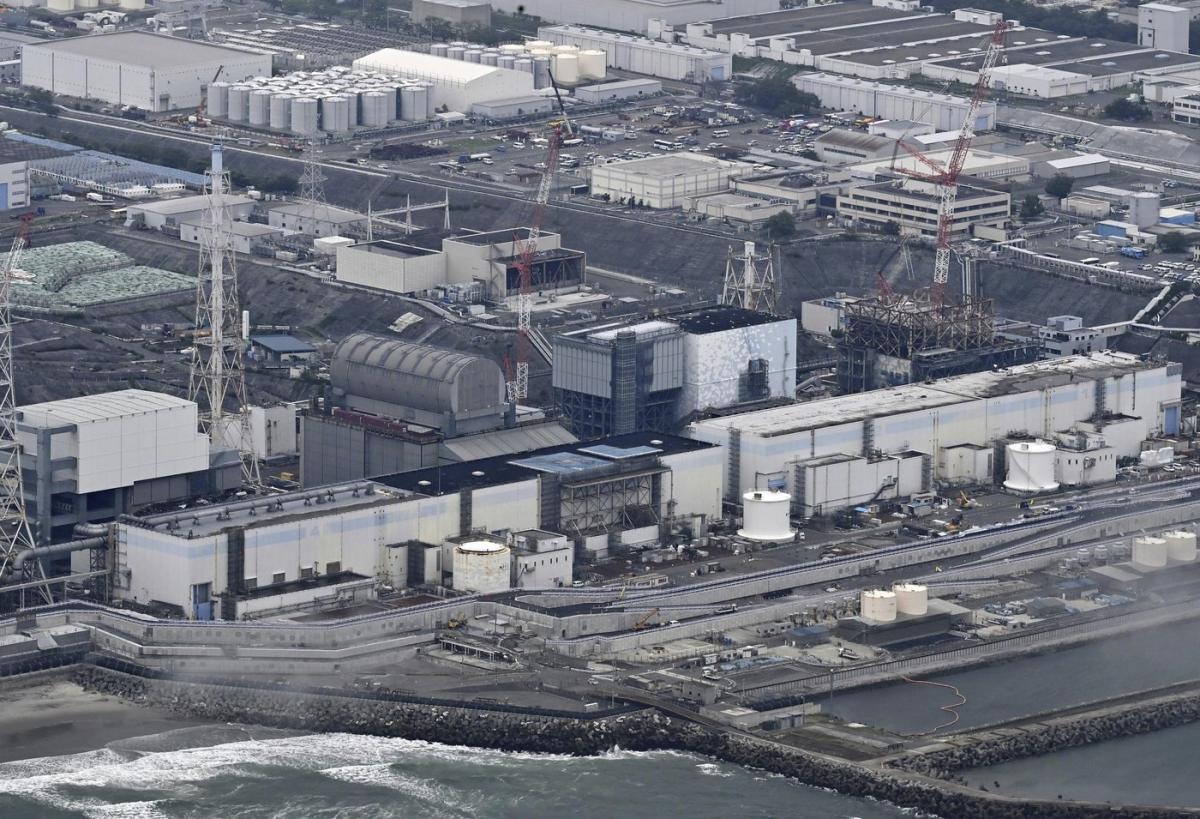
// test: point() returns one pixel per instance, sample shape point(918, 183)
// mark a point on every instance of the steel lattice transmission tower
point(15, 534)
point(750, 280)
point(217, 376)
point(312, 181)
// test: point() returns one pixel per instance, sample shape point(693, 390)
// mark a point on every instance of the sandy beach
point(55, 716)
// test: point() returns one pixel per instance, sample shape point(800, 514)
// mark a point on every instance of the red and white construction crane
point(945, 177)
point(517, 387)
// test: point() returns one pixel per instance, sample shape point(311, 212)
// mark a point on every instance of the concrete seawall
point(645, 729)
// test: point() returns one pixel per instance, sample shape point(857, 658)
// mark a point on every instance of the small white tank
point(1150, 551)
point(473, 55)
point(766, 516)
point(566, 68)
point(593, 64)
point(541, 72)
point(512, 48)
point(524, 64)
point(911, 598)
point(438, 49)
point(1181, 545)
point(1030, 467)
point(60, 5)
point(490, 58)
point(217, 103)
point(878, 605)
point(482, 567)
point(565, 49)
point(133, 5)
point(455, 52)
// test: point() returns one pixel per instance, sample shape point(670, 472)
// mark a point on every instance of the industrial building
point(101, 456)
point(316, 220)
point(477, 266)
point(1164, 26)
point(627, 15)
point(171, 213)
point(299, 44)
point(665, 181)
point(616, 91)
point(913, 205)
point(641, 55)
point(244, 237)
point(840, 147)
point(459, 13)
point(454, 85)
point(287, 552)
point(627, 377)
point(944, 112)
point(136, 69)
point(15, 157)
point(840, 452)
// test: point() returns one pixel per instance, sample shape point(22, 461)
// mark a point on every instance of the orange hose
point(951, 709)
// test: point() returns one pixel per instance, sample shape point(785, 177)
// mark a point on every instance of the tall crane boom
point(945, 177)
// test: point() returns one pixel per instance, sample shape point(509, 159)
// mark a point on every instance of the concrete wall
point(358, 265)
point(715, 361)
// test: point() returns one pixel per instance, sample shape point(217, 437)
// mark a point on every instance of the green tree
point(1123, 109)
point(780, 226)
point(777, 95)
point(1173, 242)
point(1060, 186)
point(1032, 207)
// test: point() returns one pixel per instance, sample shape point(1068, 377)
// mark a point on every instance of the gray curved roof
point(416, 375)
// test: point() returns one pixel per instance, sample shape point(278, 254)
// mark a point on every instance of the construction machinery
point(644, 621)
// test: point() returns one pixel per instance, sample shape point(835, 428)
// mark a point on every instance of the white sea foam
point(713, 769)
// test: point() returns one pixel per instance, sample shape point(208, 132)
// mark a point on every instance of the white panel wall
point(696, 482)
point(120, 451)
point(715, 361)
point(164, 567)
point(356, 265)
point(512, 506)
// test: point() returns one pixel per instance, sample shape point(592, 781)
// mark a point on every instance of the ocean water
point(232, 772)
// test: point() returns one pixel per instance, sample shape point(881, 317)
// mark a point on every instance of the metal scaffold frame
point(901, 325)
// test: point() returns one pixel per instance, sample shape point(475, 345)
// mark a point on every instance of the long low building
point(671, 61)
point(944, 112)
point(841, 452)
point(665, 181)
point(912, 204)
point(456, 84)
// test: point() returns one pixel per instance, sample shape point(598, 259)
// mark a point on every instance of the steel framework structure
point(750, 280)
point(901, 326)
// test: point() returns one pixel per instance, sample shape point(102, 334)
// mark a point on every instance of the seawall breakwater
point(642, 730)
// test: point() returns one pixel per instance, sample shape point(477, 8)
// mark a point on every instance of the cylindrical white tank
point(335, 114)
point(765, 516)
point(218, 99)
point(524, 64)
point(546, 45)
point(410, 109)
point(473, 55)
point(281, 112)
point(1031, 467)
point(482, 567)
point(239, 103)
point(304, 115)
point(911, 598)
point(422, 102)
point(459, 43)
point(506, 61)
point(1150, 551)
point(878, 605)
point(455, 52)
point(438, 49)
point(133, 5)
point(541, 72)
point(1143, 208)
point(392, 101)
point(374, 109)
point(260, 108)
point(566, 68)
point(593, 64)
point(541, 52)
point(566, 48)
point(489, 58)
point(1100, 554)
point(1181, 545)
point(512, 48)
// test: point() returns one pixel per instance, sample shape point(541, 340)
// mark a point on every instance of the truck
point(1133, 252)
point(479, 157)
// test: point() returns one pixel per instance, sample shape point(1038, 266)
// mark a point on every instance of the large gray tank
point(374, 109)
point(541, 72)
point(335, 114)
point(260, 108)
point(281, 112)
point(438, 49)
point(218, 99)
point(304, 116)
point(239, 103)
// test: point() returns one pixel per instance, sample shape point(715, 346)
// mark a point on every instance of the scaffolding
point(903, 325)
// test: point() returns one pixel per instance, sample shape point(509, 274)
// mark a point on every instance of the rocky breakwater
point(1113, 722)
point(647, 729)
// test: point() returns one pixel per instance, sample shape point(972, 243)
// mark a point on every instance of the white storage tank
point(540, 45)
point(1150, 551)
point(60, 5)
point(455, 52)
point(1181, 545)
point(422, 102)
point(524, 64)
point(765, 516)
point(566, 68)
point(374, 109)
point(217, 103)
point(260, 108)
point(132, 5)
point(410, 108)
point(1030, 467)
point(281, 112)
point(593, 64)
point(911, 598)
point(335, 114)
point(438, 49)
point(392, 101)
point(304, 116)
point(512, 48)
point(541, 52)
point(878, 605)
point(473, 55)
point(88, 4)
point(482, 567)
point(239, 103)
point(489, 58)
point(541, 72)
point(507, 61)
point(1143, 208)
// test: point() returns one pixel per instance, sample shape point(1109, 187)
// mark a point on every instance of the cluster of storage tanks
point(1178, 546)
point(335, 100)
point(884, 605)
point(72, 5)
point(569, 64)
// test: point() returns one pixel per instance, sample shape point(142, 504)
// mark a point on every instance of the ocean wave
point(713, 769)
point(421, 790)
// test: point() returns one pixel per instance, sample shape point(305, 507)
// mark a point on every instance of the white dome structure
point(1181, 545)
point(1150, 551)
point(911, 598)
point(1030, 467)
point(482, 567)
point(878, 605)
point(766, 516)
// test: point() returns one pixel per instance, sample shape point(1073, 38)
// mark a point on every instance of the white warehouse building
point(135, 68)
point(840, 452)
point(629, 15)
point(943, 111)
point(665, 181)
point(641, 55)
point(456, 84)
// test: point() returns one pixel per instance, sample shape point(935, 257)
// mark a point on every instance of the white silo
point(335, 114)
point(438, 49)
point(482, 567)
point(878, 605)
point(459, 44)
point(410, 109)
point(524, 64)
point(392, 101)
point(281, 111)
point(512, 49)
point(766, 516)
point(1030, 467)
point(422, 101)
point(1144, 208)
point(566, 68)
point(538, 45)
point(593, 64)
point(507, 61)
point(304, 116)
point(239, 103)
point(374, 109)
point(1181, 545)
point(566, 48)
point(455, 52)
point(473, 55)
point(541, 72)
point(490, 58)
point(260, 108)
point(1150, 551)
point(540, 52)
point(217, 103)
point(911, 598)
